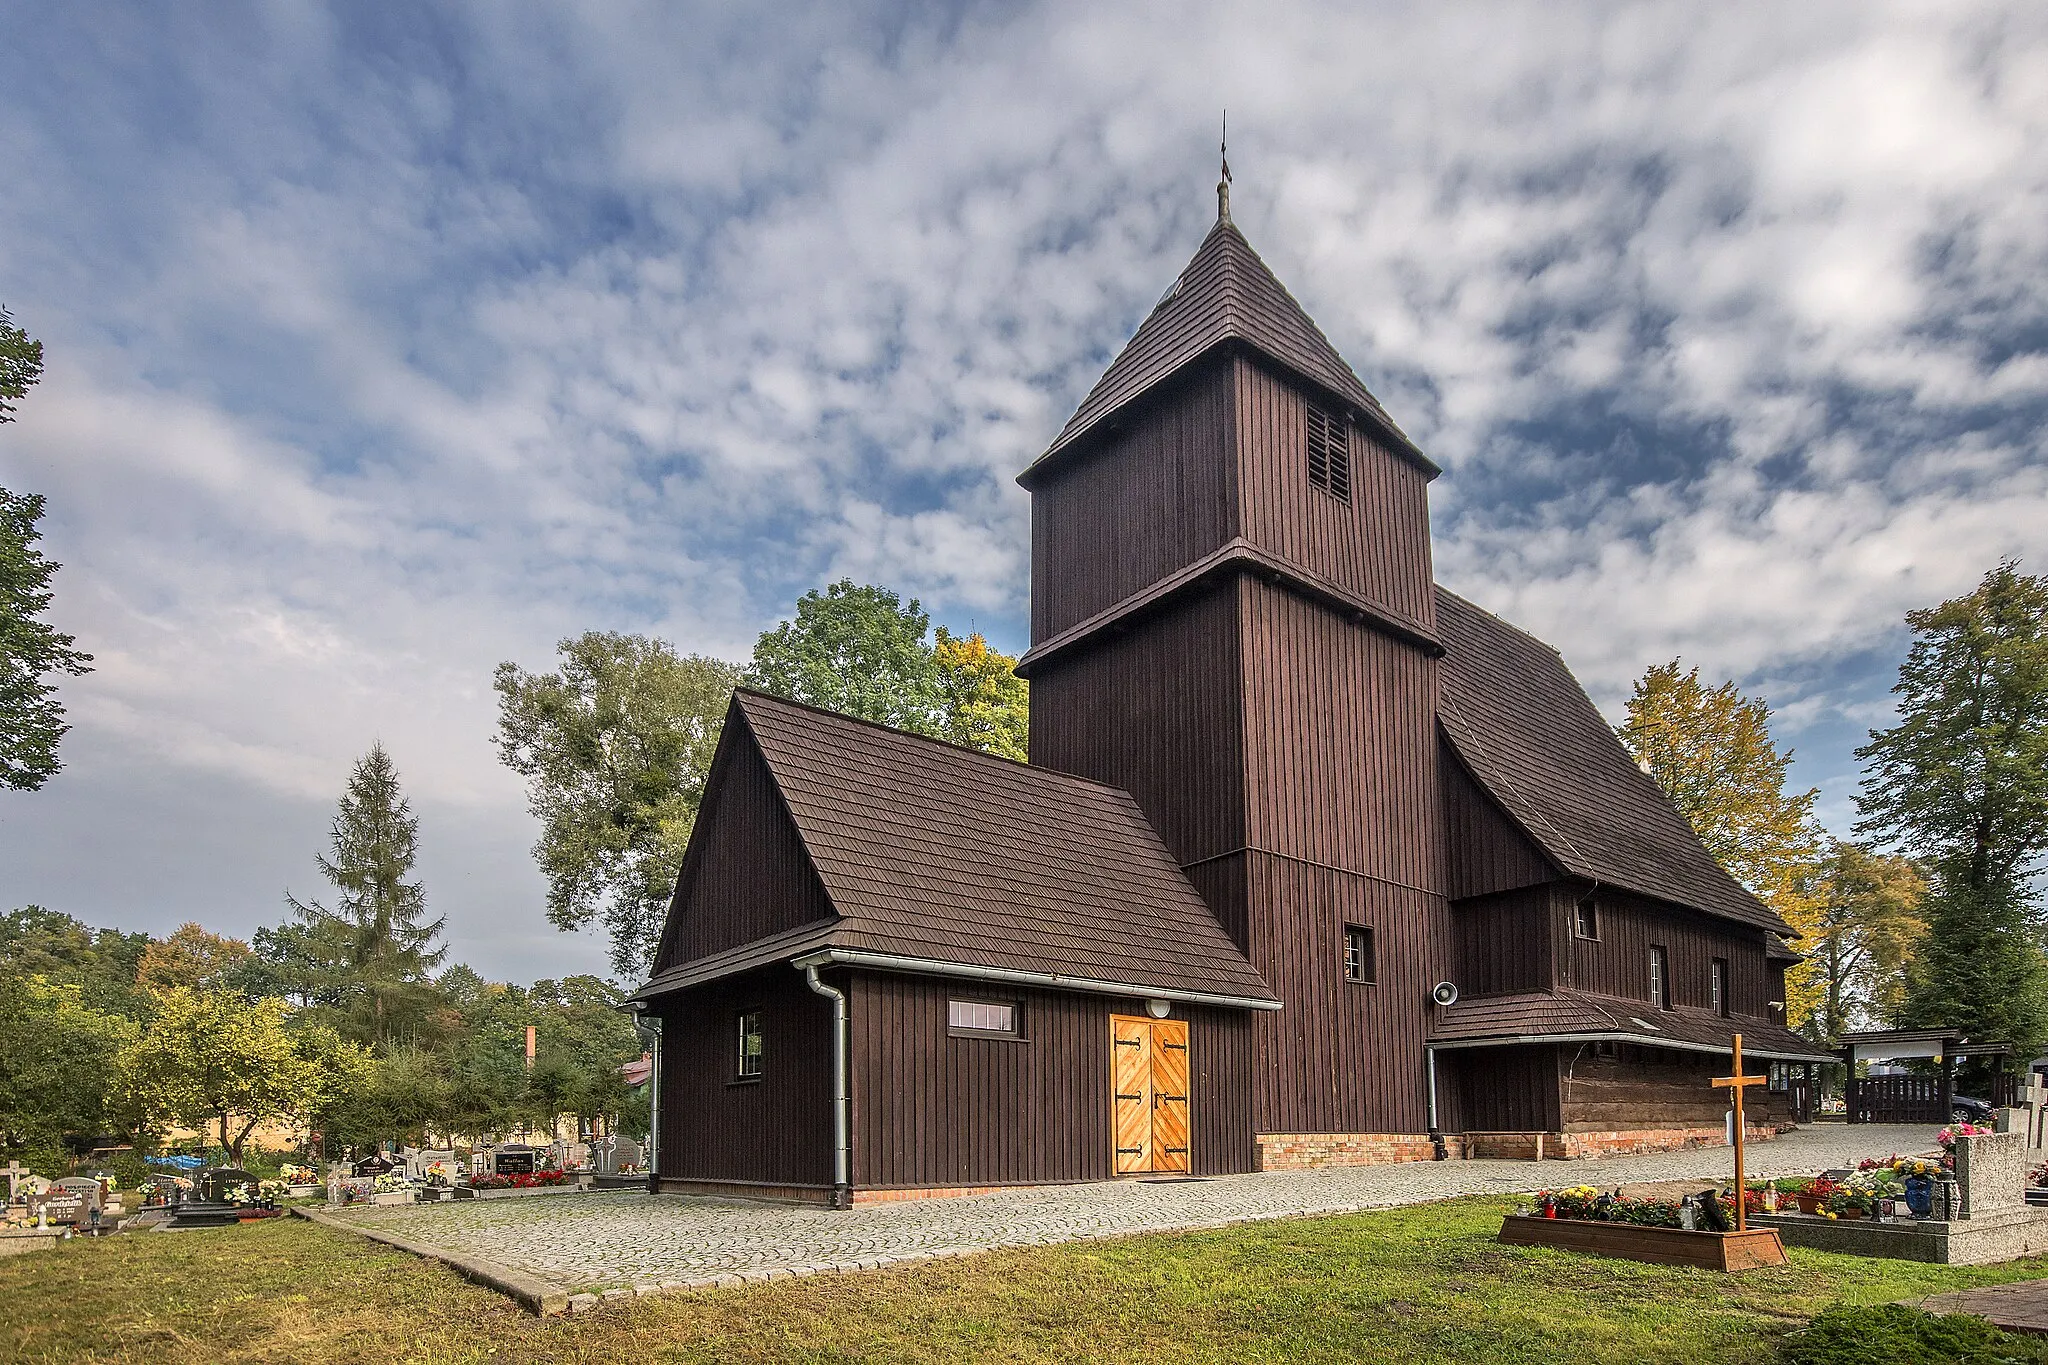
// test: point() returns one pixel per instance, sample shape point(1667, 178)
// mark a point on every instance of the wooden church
point(1314, 862)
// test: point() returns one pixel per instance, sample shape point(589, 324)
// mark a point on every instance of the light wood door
point(1149, 1112)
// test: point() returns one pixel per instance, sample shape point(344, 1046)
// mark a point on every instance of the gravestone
point(222, 1184)
point(513, 1158)
point(417, 1160)
point(89, 1194)
point(1992, 1171)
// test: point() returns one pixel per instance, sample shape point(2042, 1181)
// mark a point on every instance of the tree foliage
point(1710, 748)
point(219, 1059)
point(1962, 781)
point(57, 1069)
point(858, 650)
point(1864, 940)
point(21, 364)
point(192, 957)
point(32, 651)
point(983, 703)
point(614, 746)
point(102, 963)
point(376, 942)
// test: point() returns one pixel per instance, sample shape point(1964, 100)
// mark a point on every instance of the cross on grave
point(1735, 1085)
point(15, 1171)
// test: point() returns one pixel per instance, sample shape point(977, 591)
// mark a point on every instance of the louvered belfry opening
point(1329, 453)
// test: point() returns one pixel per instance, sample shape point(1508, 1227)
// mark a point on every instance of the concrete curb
point(542, 1297)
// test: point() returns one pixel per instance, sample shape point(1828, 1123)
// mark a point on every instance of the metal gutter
point(1644, 1039)
point(1055, 981)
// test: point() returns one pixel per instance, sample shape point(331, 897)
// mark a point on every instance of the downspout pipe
point(1436, 1132)
point(652, 1023)
point(842, 1152)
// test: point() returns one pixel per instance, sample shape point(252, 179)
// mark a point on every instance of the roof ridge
point(829, 714)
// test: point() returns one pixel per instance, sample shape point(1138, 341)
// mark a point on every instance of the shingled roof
point(1226, 294)
point(1531, 735)
point(941, 854)
point(1561, 1017)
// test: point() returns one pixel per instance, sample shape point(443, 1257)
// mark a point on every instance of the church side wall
point(1618, 963)
point(1487, 853)
point(1653, 1099)
point(1140, 504)
point(770, 1136)
point(1504, 942)
point(936, 1111)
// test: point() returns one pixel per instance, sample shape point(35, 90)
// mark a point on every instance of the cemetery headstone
point(1991, 1174)
point(513, 1159)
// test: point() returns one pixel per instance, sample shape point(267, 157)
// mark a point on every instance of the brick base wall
point(1300, 1151)
point(1629, 1141)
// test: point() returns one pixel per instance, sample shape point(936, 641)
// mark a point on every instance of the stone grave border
point(544, 1298)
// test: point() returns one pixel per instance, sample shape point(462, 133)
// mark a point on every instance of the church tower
point(1233, 618)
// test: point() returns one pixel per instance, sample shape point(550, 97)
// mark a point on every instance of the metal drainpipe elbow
point(842, 1164)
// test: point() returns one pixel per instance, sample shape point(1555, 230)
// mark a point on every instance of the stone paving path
point(630, 1242)
point(2018, 1307)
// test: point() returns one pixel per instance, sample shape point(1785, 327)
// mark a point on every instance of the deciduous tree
point(219, 1059)
point(1962, 781)
point(1868, 929)
point(860, 651)
point(192, 956)
point(614, 746)
point(21, 364)
point(57, 1068)
point(984, 704)
point(1710, 748)
point(32, 651)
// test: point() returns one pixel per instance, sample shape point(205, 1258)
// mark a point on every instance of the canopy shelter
point(1916, 1099)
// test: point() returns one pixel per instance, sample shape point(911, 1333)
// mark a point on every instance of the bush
point(1906, 1336)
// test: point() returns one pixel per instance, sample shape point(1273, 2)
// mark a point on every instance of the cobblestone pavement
point(626, 1241)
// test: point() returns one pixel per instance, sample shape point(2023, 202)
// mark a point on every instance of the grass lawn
point(1415, 1284)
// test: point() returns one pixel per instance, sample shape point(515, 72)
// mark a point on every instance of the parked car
point(1963, 1109)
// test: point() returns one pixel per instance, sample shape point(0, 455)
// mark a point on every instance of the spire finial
point(1223, 185)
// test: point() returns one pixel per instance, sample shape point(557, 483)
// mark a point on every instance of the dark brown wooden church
point(1285, 793)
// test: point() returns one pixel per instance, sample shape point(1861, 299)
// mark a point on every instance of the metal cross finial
point(1223, 185)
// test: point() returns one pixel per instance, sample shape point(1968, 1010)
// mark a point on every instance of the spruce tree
point(1962, 781)
point(376, 939)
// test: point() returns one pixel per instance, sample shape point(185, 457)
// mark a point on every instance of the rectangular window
point(982, 1018)
point(1717, 994)
point(1587, 923)
point(750, 1046)
point(1660, 979)
point(1329, 453)
point(1358, 959)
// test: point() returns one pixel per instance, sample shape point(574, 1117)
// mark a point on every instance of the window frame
point(1367, 971)
point(1012, 1034)
point(1660, 976)
point(1717, 986)
point(1586, 915)
point(740, 1075)
point(1331, 430)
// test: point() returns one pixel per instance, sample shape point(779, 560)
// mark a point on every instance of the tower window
point(1660, 979)
point(1718, 986)
point(750, 1046)
point(1358, 963)
point(1329, 453)
point(1587, 923)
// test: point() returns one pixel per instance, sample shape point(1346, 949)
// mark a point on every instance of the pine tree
point(376, 937)
point(1962, 781)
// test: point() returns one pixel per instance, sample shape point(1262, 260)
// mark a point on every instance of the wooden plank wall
point(774, 1131)
point(1619, 964)
point(1504, 942)
point(746, 875)
point(1498, 1090)
point(1377, 546)
point(1155, 710)
point(1487, 852)
point(931, 1110)
point(1342, 1057)
point(1143, 502)
point(1655, 1088)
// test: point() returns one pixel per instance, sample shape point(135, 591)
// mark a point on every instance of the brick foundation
point(861, 1197)
point(1630, 1141)
point(1301, 1151)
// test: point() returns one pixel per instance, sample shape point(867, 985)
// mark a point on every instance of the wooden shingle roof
point(1226, 294)
point(1564, 1015)
point(1531, 735)
point(943, 854)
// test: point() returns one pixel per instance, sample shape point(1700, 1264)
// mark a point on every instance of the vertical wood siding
point(1377, 545)
point(1499, 1090)
point(1142, 503)
point(1619, 964)
point(774, 1131)
point(1155, 710)
point(1487, 852)
point(931, 1109)
point(746, 875)
point(1504, 942)
point(1342, 1057)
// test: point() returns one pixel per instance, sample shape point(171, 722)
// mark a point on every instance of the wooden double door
point(1149, 1115)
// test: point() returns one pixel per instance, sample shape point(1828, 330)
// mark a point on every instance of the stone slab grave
point(1992, 1221)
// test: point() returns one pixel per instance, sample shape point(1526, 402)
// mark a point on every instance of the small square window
point(1717, 986)
point(982, 1018)
point(1660, 979)
point(750, 1045)
point(1586, 922)
point(1358, 957)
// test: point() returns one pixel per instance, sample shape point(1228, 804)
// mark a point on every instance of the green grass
point(1418, 1284)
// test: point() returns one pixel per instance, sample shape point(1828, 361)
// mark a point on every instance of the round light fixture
point(1159, 1009)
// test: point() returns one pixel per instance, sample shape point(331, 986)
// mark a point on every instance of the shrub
point(1906, 1336)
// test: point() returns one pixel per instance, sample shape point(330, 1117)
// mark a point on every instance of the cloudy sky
point(387, 342)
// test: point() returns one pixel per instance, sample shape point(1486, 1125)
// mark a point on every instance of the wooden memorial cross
point(1735, 1085)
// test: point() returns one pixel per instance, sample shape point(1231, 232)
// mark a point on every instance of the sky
point(385, 343)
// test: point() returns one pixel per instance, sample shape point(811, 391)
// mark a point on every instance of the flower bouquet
point(530, 1181)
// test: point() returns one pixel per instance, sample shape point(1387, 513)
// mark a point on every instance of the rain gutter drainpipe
point(842, 1165)
point(653, 1112)
point(1436, 1132)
